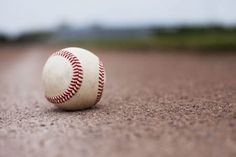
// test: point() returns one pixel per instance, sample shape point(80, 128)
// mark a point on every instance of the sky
point(17, 16)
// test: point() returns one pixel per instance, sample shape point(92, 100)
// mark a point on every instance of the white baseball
point(73, 78)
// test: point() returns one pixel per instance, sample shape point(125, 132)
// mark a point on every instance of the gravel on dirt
point(154, 104)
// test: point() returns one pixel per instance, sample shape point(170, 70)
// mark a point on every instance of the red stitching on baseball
point(101, 81)
point(76, 80)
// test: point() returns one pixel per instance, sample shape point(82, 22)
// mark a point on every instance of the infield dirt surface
point(154, 104)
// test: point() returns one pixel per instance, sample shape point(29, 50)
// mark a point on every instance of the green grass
point(216, 41)
point(203, 41)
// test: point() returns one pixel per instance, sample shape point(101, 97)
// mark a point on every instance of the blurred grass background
point(203, 39)
point(200, 38)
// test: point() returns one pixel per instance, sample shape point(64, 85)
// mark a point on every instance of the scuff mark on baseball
point(73, 79)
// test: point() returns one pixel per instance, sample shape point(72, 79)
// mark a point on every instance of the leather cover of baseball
point(73, 79)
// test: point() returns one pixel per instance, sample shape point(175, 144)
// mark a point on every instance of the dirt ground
point(155, 104)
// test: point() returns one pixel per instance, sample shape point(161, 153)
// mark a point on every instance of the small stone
point(42, 125)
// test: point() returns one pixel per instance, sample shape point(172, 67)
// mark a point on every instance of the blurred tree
point(34, 37)
point(3, 38)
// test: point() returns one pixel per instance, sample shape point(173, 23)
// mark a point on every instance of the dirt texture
point(154, 104)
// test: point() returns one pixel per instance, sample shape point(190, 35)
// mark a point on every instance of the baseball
point(73, 79)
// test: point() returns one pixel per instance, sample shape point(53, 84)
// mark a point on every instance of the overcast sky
point(23, 15)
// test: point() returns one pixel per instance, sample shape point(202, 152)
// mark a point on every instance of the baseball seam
point(101, 81)
point(76, 80)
